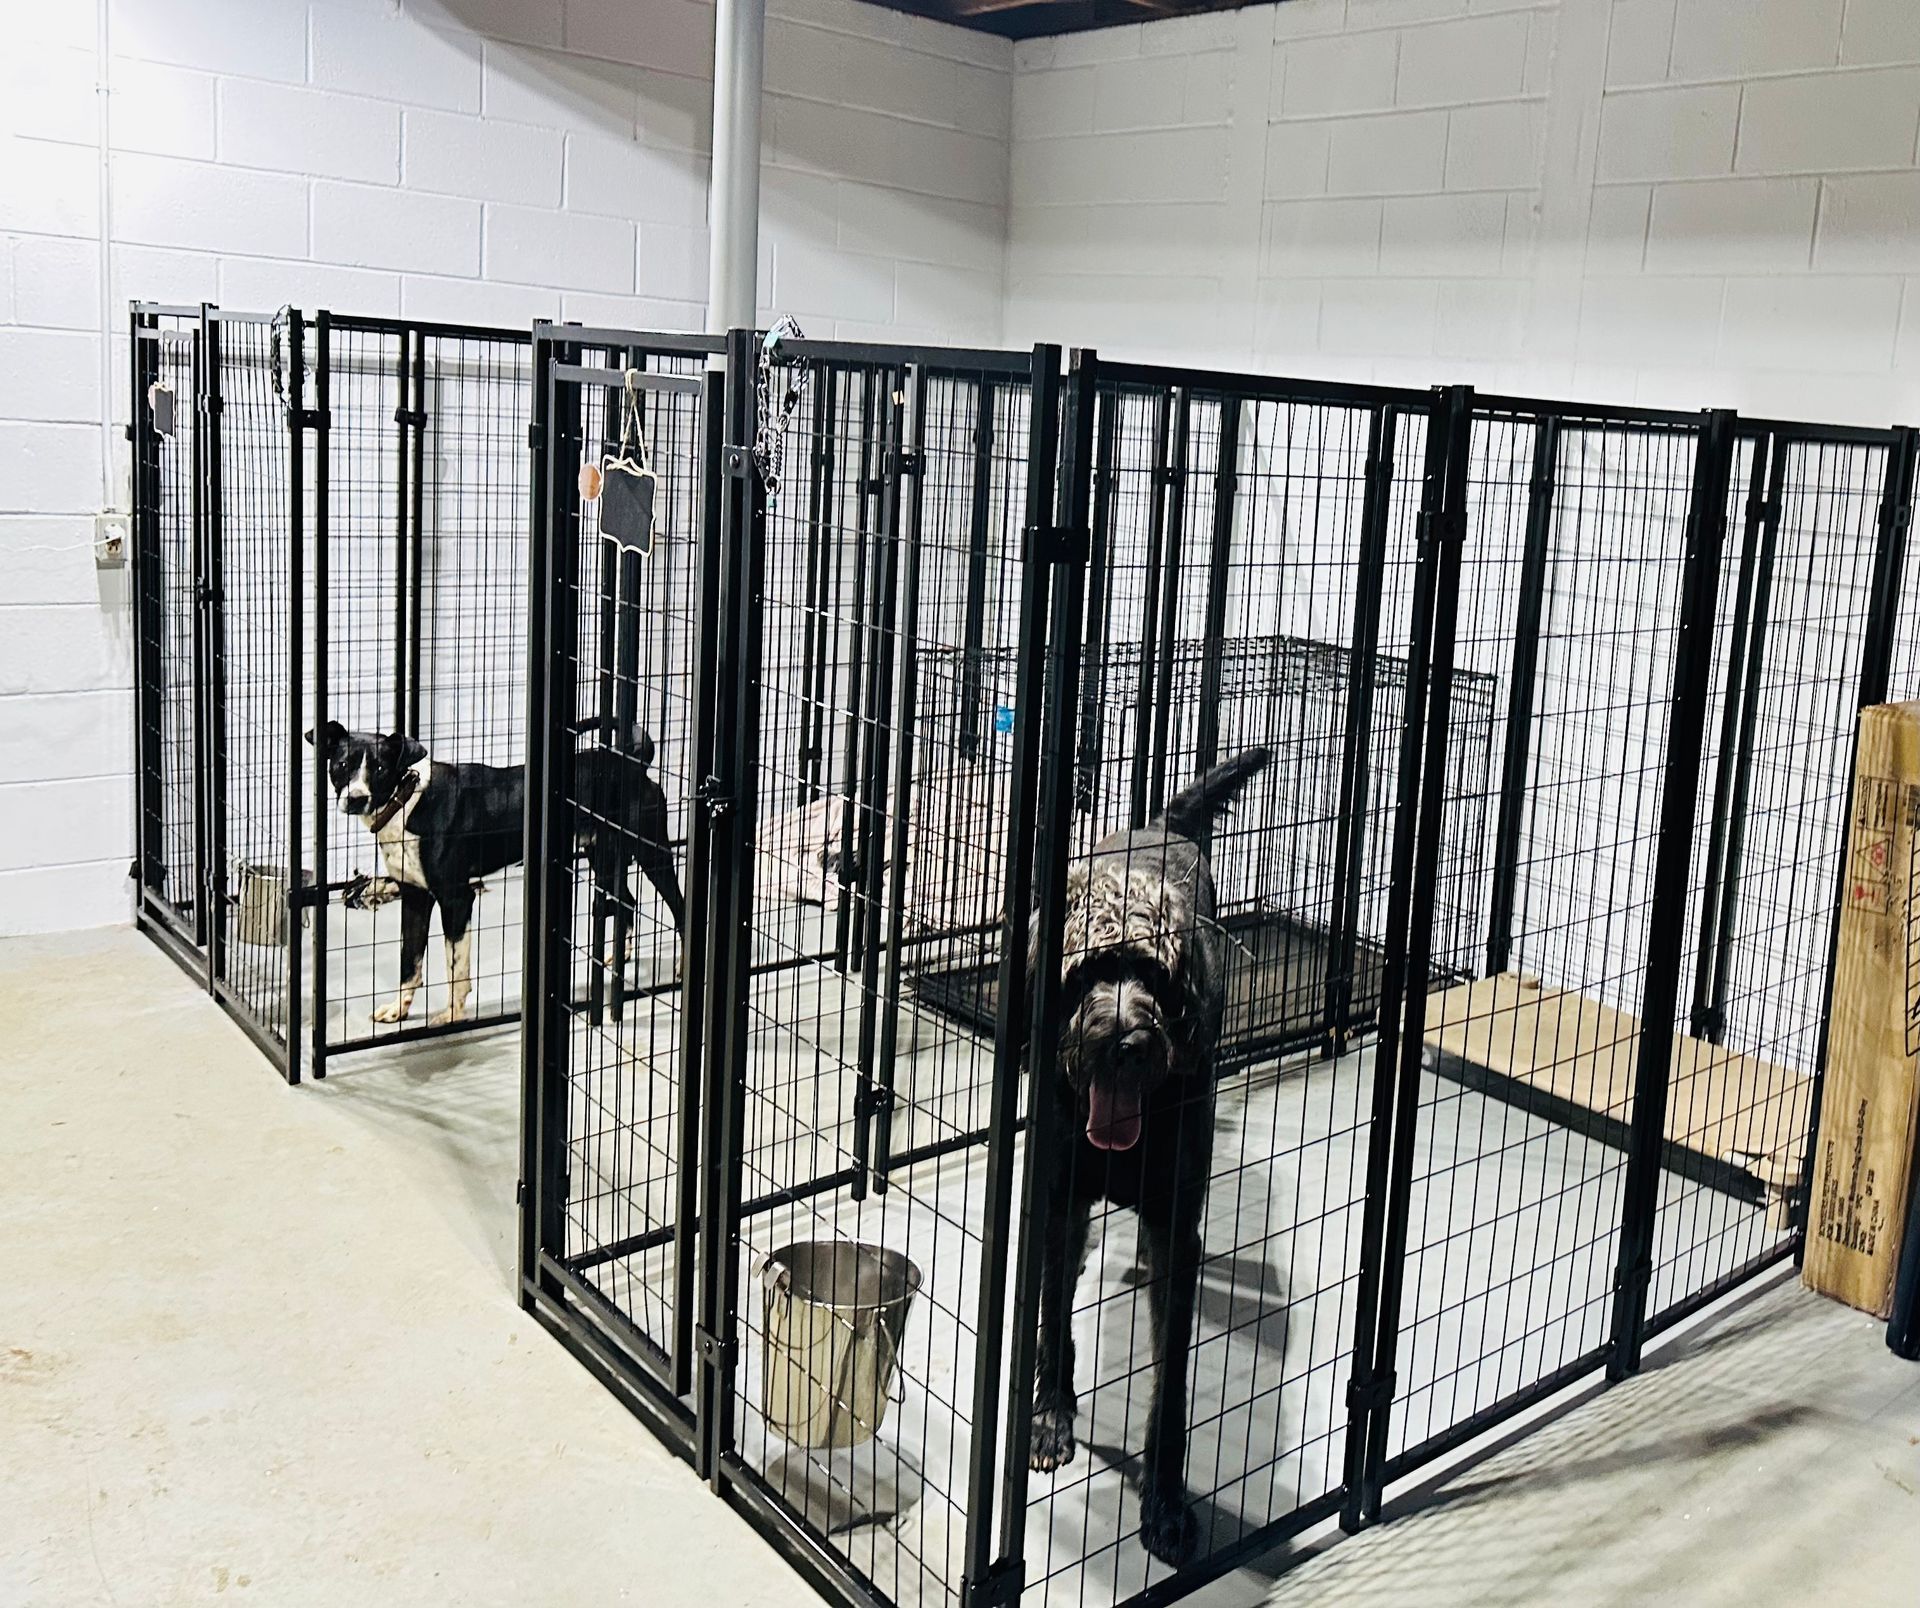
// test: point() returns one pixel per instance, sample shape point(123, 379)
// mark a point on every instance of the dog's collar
point(409, 785)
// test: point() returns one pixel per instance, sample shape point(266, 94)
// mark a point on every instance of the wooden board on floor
point(1575, 1052)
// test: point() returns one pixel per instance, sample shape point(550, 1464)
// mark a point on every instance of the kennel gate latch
point(714, 798)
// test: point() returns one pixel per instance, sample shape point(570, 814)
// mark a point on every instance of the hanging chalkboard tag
point(626, 503)
point(160, 406)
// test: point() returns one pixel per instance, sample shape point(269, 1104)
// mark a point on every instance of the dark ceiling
point(1028, 19)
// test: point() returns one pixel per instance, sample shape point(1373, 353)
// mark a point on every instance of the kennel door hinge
point(1762, 510)
point(1000, 1587)
point(1057, 544)
point(1708, 1022)
point(715, 1351)
point(536, 437)
point(212, 406)
point(1169, 475)
point(872, 1101)
point(1371, 1395)
point(1900, 521)
point(310, 418)
point(1447, 525)
point(416, 417)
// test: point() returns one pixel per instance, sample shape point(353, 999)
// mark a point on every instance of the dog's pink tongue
point(1113, 1117)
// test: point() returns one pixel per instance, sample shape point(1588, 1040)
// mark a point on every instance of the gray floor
point(260, 1344)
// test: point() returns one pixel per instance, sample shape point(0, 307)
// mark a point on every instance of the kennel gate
point(889, 719)
point(328, 524)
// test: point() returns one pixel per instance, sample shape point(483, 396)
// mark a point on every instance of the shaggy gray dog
point(1143, 969)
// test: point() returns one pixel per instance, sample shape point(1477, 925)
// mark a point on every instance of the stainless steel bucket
point(836, 1311)
point(263, 904)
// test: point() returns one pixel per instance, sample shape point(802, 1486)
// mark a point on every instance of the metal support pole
point(1666, 921)
point(733, 216)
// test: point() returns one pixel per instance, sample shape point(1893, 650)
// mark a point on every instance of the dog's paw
point(395, 1010)
point(1051, 1445)
point(453, 1013)
point(1168, 1529)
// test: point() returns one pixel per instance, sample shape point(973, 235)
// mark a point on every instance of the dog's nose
point(354, 801)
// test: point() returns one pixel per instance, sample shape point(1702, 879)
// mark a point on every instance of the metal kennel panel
point(1811, 568)
point(1526, 1153)
point(420, 487)
point(1255, 590)
point(170, 858)
point(624, 640)
point(880, 810)
point(255, 634)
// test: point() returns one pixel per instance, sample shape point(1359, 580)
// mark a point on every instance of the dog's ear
point(336, 734)
point(404, 750)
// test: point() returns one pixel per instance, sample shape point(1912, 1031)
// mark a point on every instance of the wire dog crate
point(329, 522)
point(885, 1185)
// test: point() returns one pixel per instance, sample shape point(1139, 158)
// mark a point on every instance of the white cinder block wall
point(1676, 202)
point(1669, 201)
point(479, 160)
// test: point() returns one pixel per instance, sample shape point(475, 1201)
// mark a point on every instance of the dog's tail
point(1192, 811)
point(638, 744)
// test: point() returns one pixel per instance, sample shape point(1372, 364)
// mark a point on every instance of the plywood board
point(1865, 1151)
point(1747, 1113)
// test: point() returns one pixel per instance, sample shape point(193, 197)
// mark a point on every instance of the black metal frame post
point(403, 535)
point(1419, 801)
point(973, 629)
point(1176, 533)
point(202, 924)
point(1666, 918)
point(1726, 825)
point(1163, 481)
point(1226, 485)
point(322, 423)
point(296, 893)
point(730, 800)
point(544, 983)
point(144, 526)
point(1896, 516)
point(820, 576)
point(213, 625)
point(1093, 671)
point(874, 1135)
point(1350, 827)
point(413, 418)
point(1526, 656)
point(987, 1580)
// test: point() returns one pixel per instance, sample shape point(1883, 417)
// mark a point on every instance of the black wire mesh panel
point(1802, 576)
point(1573, 571)
point(1248, 589)
point(630, 686)
point(892, 574)
point(167, 491)
point(421, 609)
point(252, 536)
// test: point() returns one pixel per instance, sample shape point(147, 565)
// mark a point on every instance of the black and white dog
point(1144, 992)
point(442, 827)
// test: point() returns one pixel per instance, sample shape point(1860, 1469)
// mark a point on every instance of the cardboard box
point(1865, 1152)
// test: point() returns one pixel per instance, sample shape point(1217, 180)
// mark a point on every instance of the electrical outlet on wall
point(110, 538)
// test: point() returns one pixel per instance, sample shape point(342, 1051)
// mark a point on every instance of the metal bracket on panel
point(714, 798)
point(1057, 544)
point(1638, 1277)
point(1372, 1395)
point(417, 417)
point(999, 1587)
point(1447, 525)
point(872, 1101)
point(906, 461)
point(212, 405)
point(519, 1191)
point(1761, 509)
point(737, 461)
point(1168, 475)
point(716, 1351)
point(309, 418)
point(536, 437)
point(1379, 470)
point(1708, 1022)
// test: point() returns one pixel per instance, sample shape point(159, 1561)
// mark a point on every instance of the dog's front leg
point(1051, 1444)
point(1170, 1232)
point(456, 925)
point(416, 916)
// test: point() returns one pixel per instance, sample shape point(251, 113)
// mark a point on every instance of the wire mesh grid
point(424, 615)
point(624, 794)
point(1200, 1355)
point(169, 463)
point(254, 533)
point(1798, 607)
point(1519, 1161)
point(892, 589)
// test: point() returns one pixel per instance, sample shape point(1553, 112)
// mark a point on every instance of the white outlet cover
point(111, 534)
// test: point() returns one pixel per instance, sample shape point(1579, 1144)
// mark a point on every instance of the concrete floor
point(260, 1344)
